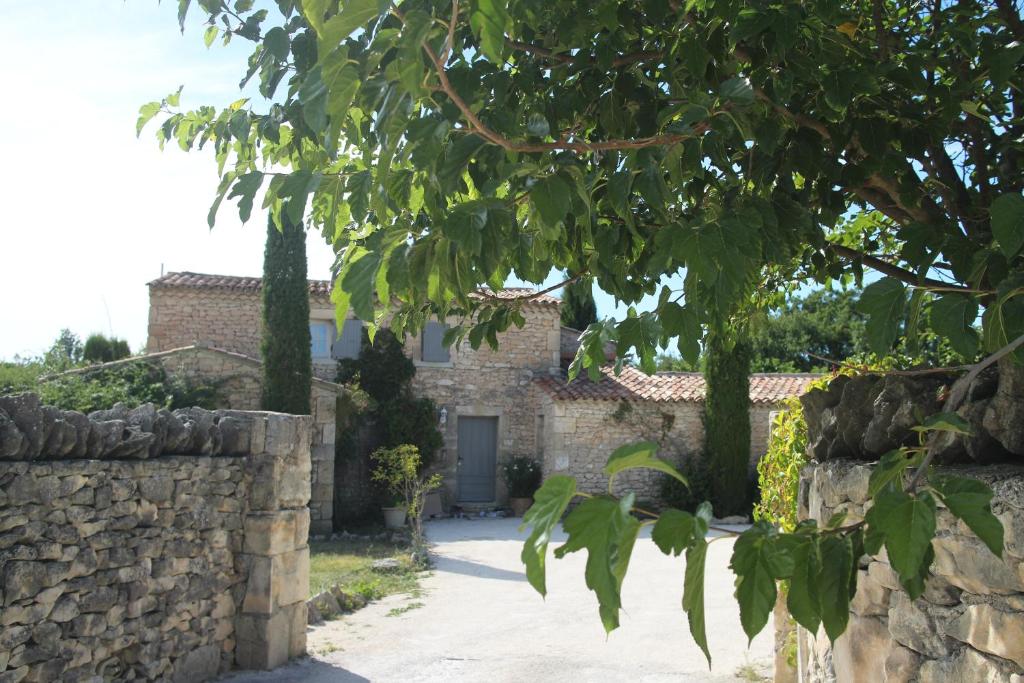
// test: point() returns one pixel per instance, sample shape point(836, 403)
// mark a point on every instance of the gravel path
point(478, 620)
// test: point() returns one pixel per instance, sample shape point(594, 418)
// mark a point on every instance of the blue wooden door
point(478, 458)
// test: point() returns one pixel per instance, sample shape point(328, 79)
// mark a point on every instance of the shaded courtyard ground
point(477, 619)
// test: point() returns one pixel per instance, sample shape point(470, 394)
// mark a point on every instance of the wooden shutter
point(434, 350)
point(350, 340)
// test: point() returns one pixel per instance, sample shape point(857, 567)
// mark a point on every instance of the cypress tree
point(578, 307)
point(727, 423)
point(287, 358)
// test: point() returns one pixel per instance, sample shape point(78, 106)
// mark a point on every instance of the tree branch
point(563, 143)
point(533, 295)
point(892, 270)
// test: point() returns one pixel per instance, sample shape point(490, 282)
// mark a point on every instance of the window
point(350, 341)
point(321, 335)
point(432, 348)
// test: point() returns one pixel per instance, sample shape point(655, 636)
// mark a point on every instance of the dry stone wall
point(968, 625)
point(142, 563)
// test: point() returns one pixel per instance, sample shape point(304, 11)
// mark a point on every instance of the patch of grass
point(397, 611)
point(348, 563)
point(750, 672)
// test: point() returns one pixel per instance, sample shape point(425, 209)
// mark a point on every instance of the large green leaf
point(833, 584)
point(605, 528)
point(354, 14)
point(945, 422)
point(908, 525)
point(883, 302)
point(693, 594)
point(674, 531)
point(245, 189)
point(642, 455)
point(889, 470)
point(803, 597)
point(1008, 223)
point(549, 504)
point(359, 281)
point(490, 20)
point(953, 316)
point(551, 197)
point(757, 563)
point(970, 500)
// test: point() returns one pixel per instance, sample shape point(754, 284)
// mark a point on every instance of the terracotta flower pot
point(520, 505)
point(394, 518)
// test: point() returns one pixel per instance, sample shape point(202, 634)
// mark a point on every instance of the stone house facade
point(584, 421)
point(492, 404)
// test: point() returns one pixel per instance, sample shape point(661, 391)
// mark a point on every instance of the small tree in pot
point(522, 477)
point(397, 470)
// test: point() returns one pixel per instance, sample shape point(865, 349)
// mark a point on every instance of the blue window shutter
point(433, 348)
point(350, 340)
point(319, 339)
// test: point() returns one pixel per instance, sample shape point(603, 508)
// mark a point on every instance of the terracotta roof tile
point(634, 385)
point(320, 288)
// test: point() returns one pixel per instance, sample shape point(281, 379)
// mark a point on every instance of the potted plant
point(522, 477)
point(397, 470)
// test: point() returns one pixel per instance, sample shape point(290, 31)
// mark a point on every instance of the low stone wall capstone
point(150, 545)
point(968, 625)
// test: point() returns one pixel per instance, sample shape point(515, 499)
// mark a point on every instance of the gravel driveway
point(479, 620)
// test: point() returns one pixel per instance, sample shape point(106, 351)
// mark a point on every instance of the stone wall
point(489, 383)
point(143, 563)
point(968, 625)
point(581, 434)
point(239, 383)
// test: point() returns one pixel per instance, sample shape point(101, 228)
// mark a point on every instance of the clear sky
point(90, 213)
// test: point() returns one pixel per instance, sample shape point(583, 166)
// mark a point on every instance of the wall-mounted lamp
point(442, 418)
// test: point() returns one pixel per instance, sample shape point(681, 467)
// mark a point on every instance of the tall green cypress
point(287, 358)
point(578, 307)
point(727, 423)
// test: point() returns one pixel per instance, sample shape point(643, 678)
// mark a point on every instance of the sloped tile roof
point(319, 288)
point(634, 385)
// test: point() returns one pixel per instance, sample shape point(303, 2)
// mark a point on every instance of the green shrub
point(383, 374)
point(132, 384)
point(727, 424)
point(522, 476)
point(677, 495)
point(285, 346)
point(101, 349)
point(17, 376)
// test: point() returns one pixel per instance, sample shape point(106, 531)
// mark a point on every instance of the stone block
point(872, 598)
point(968, 564)
point(990, 630)
point(913, 627)
point(200, 664)
point(270, 533)
point(966, 665)
point(262, 641)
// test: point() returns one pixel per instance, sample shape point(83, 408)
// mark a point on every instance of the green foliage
point(285, 347)
point(65, 353)
point(383, 373)
point(132, 383)
point(100, 349)
point(441, 147)
point(779, 468)
point(18, 376)
point(675, 494)
point(638, 455)
point(522, 476)
point(579, 310)
point(818, 564)
point(727, 424)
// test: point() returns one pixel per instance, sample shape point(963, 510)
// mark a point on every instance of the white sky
point(90, 213)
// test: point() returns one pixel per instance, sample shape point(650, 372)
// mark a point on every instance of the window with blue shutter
point(321, 335)
point(350, 340)
point(433, 349)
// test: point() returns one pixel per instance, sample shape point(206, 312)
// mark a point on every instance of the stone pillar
point(270, 624)
point(321, 503)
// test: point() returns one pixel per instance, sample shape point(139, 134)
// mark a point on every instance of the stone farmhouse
point(492, 404)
